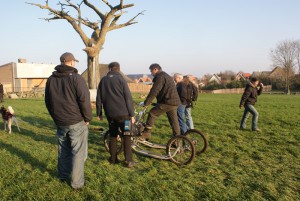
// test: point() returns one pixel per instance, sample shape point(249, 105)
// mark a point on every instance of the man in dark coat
point(1, 93)
point(182, 86)
point(113, 93)
point(165, 92)
point(248, 100)
point(68, 101)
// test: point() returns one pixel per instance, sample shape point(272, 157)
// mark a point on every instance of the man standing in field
point(192, 95)
point(113, 93)
point(1, 93)
point(67, 99)
point(181, 86)
point(249, 98)
point(164, 90)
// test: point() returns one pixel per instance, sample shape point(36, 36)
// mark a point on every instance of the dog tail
point(10, 109)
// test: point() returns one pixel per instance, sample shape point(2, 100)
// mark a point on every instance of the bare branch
point(99, 13)
point(108, 4)
point(64, 15)
point(130, 22)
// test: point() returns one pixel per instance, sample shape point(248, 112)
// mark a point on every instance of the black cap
point(67, 56)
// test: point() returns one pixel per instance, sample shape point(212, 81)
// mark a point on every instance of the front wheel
point(106, 139)
point(180, 150)
point(199, 140)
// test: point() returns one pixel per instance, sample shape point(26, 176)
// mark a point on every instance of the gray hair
point(178, 75)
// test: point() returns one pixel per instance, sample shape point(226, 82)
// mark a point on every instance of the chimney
point(21, 60)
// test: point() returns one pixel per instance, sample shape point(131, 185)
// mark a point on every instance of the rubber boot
point(113, 150)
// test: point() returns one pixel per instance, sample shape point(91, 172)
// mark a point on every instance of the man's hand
point(87, 123)
point(141, 104)
point(100, 118)
point(132, 120)
point(241, 106)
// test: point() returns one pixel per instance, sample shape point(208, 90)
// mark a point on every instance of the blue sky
point(191, 36)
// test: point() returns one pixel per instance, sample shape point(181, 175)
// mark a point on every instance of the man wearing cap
point(165, 92)
point(67, 99)
point(248, 100)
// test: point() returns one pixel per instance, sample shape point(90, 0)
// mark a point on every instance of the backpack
point(192, 94)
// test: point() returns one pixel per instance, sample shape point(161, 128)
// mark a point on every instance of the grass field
point(238, 165)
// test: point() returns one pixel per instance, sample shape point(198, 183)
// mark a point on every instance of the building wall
point(28, 70)
point(6, 77)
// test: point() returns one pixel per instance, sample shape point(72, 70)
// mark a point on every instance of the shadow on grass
point(27, 158)
point(39, 137)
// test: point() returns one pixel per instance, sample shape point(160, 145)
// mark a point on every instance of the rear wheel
point(198, 139)
point(180, 150)
point(119, 142)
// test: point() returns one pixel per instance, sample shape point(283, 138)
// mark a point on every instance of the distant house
point(276, 73)
point(22, 76)
point(103, 70)
point(215, 78)
point(261, 73)
point(145, 79)
point(242, 76)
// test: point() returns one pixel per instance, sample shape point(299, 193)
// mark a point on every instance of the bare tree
point(285, 55)
point(93, 44)
point(298, 56)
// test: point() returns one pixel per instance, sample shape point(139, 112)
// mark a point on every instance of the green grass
point(238, 165)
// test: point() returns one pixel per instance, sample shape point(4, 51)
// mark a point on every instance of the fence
point(139, 88)
point(267, 88)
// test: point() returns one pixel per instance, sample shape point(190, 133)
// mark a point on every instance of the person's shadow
point(28, 159)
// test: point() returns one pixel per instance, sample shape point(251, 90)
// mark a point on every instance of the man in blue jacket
point(67, 99)
point(114, 95)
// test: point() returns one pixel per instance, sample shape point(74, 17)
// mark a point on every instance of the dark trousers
point(115, 126)
point(171, 111)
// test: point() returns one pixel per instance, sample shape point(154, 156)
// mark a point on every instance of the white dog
point(8, 118)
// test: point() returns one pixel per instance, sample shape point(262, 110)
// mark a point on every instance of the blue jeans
point(249, 109)
point(72, 152)
point(189, 119)
point(181, 118)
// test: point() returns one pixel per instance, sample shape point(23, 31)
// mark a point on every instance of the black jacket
point(250, 94)
point(114, 94)
point(182, 92)
point(67, 97)
point(164, 90)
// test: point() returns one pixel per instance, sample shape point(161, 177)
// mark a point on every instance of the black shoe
point(63, 180)
point(130, 164)
point(78, 189)
point(146, 134)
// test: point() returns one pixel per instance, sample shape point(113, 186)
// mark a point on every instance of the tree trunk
point(93, 71)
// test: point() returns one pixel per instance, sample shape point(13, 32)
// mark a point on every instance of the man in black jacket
point(1, 93)
point(67, 99)
point(113, 93)
point(248, 101)
point(181, 86)
point(164, 90)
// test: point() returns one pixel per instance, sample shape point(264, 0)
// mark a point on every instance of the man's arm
point(156, 88)
point(99, 102)
point(47, 96)
point(261, 87)
point(83, 99)
point(128, 99)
